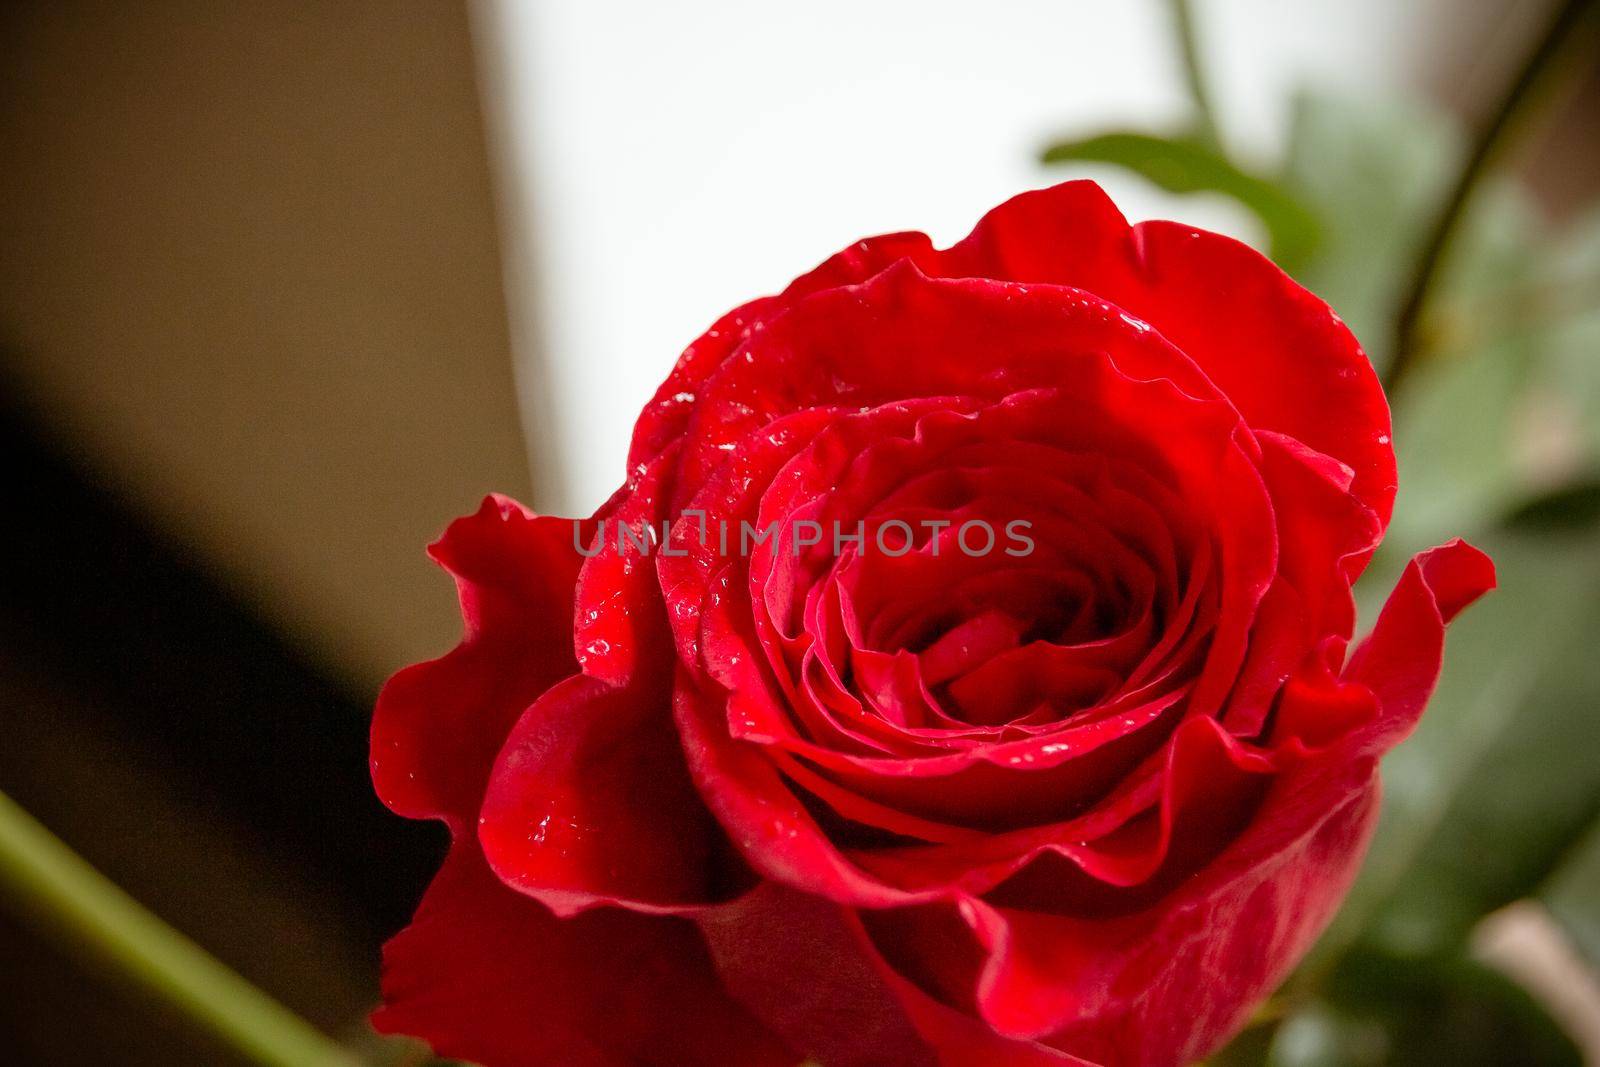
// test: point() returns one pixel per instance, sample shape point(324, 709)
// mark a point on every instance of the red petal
point(1167, 985)
point(1280, 354)
point(487, 975)
point(809, 970)
point(1399, 661)
point(438, 725)
point(665, 416)
point(760, 813)
point(796, 962)
point(590, 803)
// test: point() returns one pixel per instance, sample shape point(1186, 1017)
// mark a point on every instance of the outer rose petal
point(438, 725)
point(1399, 661)
point(590, 800)
point(808, 969)
point(591, 804)
point(1280, 354)
point(963, 1041)
point(487, 975)
point(1166, 987)
point(744, 789)
point(484, 972)
point(663, 419)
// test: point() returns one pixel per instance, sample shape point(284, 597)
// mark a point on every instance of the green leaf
point(1504, 420)
point(1249, 1049)
point(1570, 507)
point(1324, 1036)
point(1572, 896)
point(1560, 306)
point(1372, 171)
point(1186, 165)
point(1387, 1011)
point(1452, 435)
point(1507, 404)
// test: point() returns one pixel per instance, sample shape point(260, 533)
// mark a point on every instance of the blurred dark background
point(253, 355)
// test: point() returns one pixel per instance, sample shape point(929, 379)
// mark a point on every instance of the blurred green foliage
point(1190, 165)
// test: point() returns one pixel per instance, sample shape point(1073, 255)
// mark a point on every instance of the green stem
point(51, 880)
point(1491, 140)
point(1205, 117)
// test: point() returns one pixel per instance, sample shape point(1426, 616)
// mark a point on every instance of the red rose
point(927, 798)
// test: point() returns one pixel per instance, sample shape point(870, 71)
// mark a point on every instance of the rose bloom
point(1083, 805)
